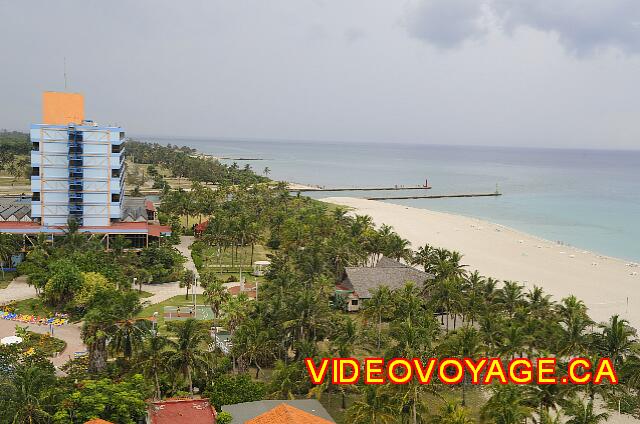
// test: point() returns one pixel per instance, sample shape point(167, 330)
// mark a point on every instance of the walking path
point(18, 289)
point(162, 292)
point(70, 333)
point(184, 248)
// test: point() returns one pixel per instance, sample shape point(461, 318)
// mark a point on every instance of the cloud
point(353, 34)
point(582, 26)
point(446, 23)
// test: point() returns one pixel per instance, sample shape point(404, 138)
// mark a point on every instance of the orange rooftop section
point(62, 108)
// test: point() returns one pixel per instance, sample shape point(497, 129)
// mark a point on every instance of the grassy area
point(332, 401)
point(6, 279)
point(211, 260)
point(34, 306)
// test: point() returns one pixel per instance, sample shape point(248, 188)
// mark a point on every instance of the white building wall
point(97, 182)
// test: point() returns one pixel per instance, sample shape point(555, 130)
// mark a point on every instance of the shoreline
point(607, 285)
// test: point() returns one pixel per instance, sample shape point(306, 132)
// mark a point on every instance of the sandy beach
point(607, 285)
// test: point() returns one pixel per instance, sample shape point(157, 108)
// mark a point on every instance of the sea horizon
point(580, 197)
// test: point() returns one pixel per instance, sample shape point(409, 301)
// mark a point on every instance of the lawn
point(33, 306)
point(210, 259)
point(144, 294)
point(6, 279)
point(332, 401)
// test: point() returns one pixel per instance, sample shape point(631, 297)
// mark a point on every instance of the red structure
point(182, 411)
point(199, 229)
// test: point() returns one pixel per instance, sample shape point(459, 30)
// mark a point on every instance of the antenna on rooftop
point(65, 72)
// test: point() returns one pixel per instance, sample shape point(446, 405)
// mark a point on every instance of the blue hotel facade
point(77, 173)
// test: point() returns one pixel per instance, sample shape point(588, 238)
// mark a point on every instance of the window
point(35, 196)
point(35, 171)
point(75, 136)
point(354, 302)
point(115, 197)
point(115, 173)
point(116, 148)
point(35, 146)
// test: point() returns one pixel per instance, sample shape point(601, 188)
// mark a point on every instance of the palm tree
point(127, 336)
point(255, 343)
point(616, 340)
point(506, 406)
point(378, 308)
point(215, 294)
point(188, 355)
point(23, 397)
point(105, 321)
point(464, 343)
point(473, 285)
point(582, 413)
point(452, 413)
point(547, 397)
point(188, 280)
point(631, 371)
point(413, 338)
point(446, 296)
point(575, 337)
point(515, 340)
point(510, 296)
point(539, 303)
point(9, 245)
point(235, 310)
point(424, 257)
point(152, 359)
point(285, 380)
point(375, 407)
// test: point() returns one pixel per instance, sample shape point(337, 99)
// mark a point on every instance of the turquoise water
point(586, 198)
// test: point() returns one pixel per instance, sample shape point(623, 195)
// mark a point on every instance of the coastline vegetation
point(297, 314)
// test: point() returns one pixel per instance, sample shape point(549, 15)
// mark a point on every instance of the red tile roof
point(148, 204)
point(157, 230)
point(179, 411)
point(287, 414)
point(18, 224)
point(139, 227)
point(98, 421)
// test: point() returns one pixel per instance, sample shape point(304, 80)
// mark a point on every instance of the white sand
point(605, 284)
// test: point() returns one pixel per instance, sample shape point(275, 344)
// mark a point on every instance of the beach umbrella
point(9, 340)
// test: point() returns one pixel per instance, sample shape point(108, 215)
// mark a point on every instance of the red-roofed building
point(98, 421)
point(181, 411)
point(287, 414)
point(138, 225)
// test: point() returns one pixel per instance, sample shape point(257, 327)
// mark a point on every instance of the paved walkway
point(18, 289)
point(184, 248)
point(70, 333)
point(162, 292)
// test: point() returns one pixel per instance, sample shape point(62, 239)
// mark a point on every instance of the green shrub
point(224, 418)
point(231, 389)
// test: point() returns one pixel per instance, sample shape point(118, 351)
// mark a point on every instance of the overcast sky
point(562, 73)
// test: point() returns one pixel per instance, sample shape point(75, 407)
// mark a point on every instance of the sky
point(536, 73)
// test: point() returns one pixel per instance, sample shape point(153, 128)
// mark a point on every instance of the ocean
point(585, 198)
